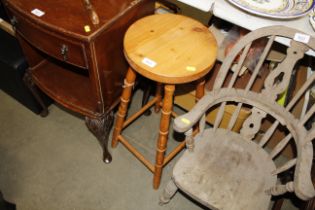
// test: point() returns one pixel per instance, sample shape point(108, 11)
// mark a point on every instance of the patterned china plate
point(281, 9)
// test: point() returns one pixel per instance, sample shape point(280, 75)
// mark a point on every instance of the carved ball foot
point(44, 113)
point(107, 158)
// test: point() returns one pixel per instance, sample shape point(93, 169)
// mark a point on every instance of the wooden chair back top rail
point(247, 41)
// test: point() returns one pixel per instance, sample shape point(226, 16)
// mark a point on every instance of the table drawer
point(63, 49)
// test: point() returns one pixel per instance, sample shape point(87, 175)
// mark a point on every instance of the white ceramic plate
point(280, 9)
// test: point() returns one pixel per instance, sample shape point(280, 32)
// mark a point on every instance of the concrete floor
point(55, 163)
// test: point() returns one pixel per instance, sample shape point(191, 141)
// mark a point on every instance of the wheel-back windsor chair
point(223, 169)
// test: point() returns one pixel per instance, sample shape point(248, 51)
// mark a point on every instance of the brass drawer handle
point(64, 52)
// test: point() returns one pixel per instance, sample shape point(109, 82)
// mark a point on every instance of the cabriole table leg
point(28, 81)
point(101, 127)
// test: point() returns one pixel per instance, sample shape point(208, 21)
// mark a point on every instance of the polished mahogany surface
point(69, 16)
point(75, 53)
point(73, 58)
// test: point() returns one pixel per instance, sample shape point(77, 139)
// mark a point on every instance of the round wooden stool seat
point(170, 48)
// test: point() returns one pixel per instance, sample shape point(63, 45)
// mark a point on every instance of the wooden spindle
point(280, 146)
point(234, 116)
point(308, 115)
point(285, 167)
point(269, 133)
point(251, 81)
point(219, 116)
point(281, 189)
point(202, 124)
point(260, 63)
point(189, 140)
point(300, 92)
point(239, 65)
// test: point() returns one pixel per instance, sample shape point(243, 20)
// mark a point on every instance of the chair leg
point(158, 95)
point(28, 81)
point(124, 101)
point(200, 89)
point(163, 135)
point(100, 127)
point(168, 192)
point(146, 96)
point(278, 204)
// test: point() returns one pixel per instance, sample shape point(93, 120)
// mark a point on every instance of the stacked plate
point(279, 9)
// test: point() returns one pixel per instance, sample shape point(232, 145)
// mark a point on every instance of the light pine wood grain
point(182, 48)
point(168, 49)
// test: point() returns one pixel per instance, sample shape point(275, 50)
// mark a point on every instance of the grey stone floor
point(54, 163)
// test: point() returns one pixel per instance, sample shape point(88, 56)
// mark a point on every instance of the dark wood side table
point(74, 49)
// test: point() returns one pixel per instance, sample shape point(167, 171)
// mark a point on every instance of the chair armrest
point(186, 121)
point(4, 25)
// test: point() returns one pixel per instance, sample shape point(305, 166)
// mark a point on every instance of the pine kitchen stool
point(168, 49)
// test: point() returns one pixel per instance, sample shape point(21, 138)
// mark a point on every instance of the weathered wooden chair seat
point(234, 170)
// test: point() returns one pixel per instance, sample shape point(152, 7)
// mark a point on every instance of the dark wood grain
point(54, 80)
point(70, 16)
point(75, 59)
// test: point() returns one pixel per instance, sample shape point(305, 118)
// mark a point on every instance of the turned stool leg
point(158, 95)
point(146, 95)
point(200, 89)
point(123, 107)
point(163, 135)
